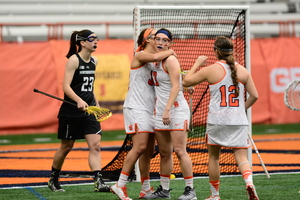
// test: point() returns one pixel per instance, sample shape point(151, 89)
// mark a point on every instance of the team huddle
point(155, 109)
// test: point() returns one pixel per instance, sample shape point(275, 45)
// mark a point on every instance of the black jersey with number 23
point(83, 85)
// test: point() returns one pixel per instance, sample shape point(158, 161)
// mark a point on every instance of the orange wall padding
point(274, 63)
point(23, 67)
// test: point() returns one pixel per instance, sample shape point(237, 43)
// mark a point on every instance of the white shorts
point(234, 136)
point(179, 122)
point(141, 119)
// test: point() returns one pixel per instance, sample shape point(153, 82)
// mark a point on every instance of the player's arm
point(154, 57)
point(245, 77)
point(96, 100)
point(251, 90)
point(172, 66)
point(70, 69)
point(144, 57)
point(192, 78)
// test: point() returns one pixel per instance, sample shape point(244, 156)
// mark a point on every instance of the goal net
point(194, 30)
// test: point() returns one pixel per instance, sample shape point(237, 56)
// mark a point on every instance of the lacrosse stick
point(258, 155)
point(292, 95)
point(100, 114)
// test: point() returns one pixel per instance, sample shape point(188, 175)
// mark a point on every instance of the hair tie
point(223, 49)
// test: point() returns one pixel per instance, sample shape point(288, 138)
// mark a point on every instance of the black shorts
point(74, 128)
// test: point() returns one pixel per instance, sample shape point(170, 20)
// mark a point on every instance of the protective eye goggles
point(90, 38)
point(162, 40)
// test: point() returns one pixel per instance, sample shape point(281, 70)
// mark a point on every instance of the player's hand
point(166, 117)
point(174, 54)
point(201, 60)
point(190, 90)
point(82, 105)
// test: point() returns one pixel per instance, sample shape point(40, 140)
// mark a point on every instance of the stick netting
point(292, 95)
point(194, 31)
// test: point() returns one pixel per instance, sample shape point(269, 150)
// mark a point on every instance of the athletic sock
point(165, 181)
point(189, 181)
point(247, 175)
point(123, 179)
point(97, 173)
point(214, 187)
point(145, 183)
point(55, 172)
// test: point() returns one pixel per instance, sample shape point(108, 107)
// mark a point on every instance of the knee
point(165, 154)
point(179, 152)
point(66, 149)
point(139, 149)
point(95, 148)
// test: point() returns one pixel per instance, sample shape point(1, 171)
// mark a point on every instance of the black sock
point(97, 173)
point(55, 172)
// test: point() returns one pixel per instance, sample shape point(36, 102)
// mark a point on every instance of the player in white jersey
point(138, 113)
point(171, 121)
point(227, 123)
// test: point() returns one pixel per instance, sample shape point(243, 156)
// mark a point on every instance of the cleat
point(160, 193)
point(217, 197)
point(53, 184)
point(188, 194)
point(99, 184)
point(121, 192)
point(252, 195)
point(144, 193)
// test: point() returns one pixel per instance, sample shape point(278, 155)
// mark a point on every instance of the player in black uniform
point(74, 123)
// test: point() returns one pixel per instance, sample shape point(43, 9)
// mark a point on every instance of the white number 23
point(87, 85)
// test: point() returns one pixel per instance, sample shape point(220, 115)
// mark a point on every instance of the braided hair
point(224, 51)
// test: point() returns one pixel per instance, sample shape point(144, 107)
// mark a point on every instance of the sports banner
point(274, 63)
point(111, 80)
point(23, 67)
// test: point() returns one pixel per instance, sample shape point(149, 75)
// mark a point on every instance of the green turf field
point(278, 187)
point(52, 138)
point(120, 135)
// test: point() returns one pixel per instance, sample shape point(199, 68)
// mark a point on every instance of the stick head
point(292, 95)
point(101, 114)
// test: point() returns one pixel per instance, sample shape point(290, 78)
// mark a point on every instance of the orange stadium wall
point(23, 67)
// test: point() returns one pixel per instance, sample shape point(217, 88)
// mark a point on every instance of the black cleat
point(53, 184)
point(99, 184)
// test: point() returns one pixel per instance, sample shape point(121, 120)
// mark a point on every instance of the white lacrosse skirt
point(179, 121)
point(141, 119)
point(234, 136)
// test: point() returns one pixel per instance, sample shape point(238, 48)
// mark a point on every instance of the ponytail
point(75, 39)
point(224, 48)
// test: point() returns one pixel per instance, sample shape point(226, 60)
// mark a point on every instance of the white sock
point(165, 182)
point(122, 179)
point(145, 184)
point(189, 181)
